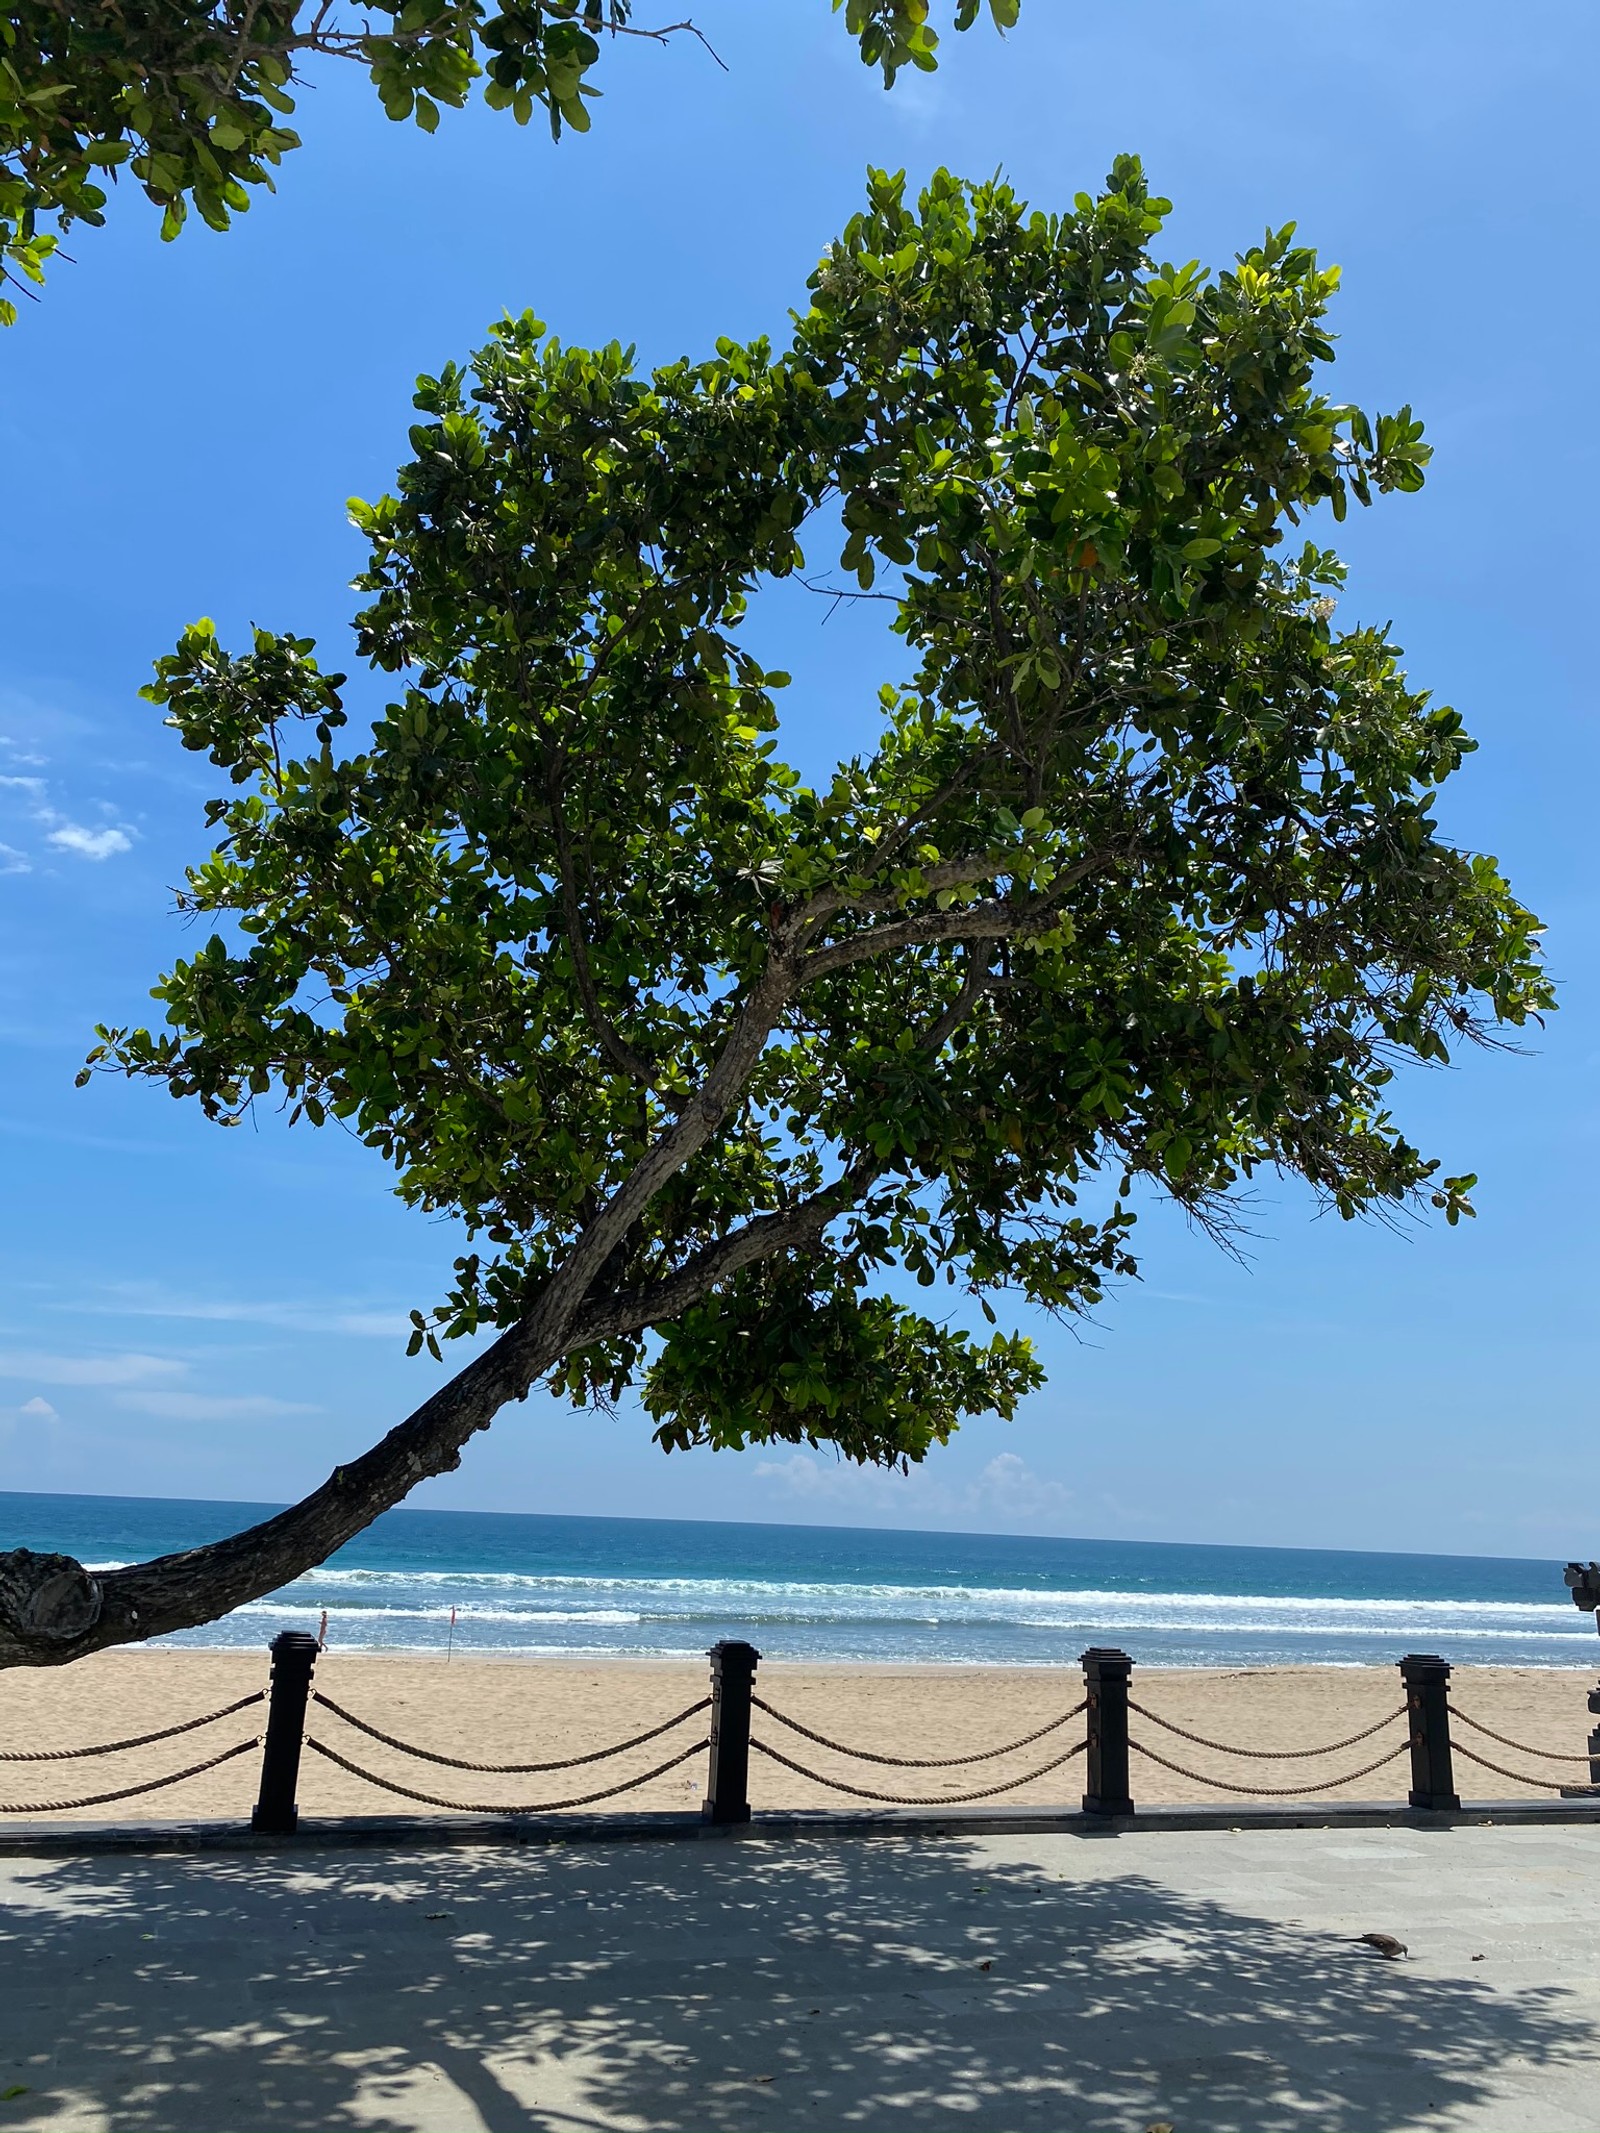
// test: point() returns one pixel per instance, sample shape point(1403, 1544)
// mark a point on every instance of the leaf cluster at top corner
point(190, 97)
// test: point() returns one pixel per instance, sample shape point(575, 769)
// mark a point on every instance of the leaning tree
point(1134, 877)
point(192, 97)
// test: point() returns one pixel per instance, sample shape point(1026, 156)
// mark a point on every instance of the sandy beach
point(502, 1711)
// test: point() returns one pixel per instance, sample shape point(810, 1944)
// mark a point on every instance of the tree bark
point(53, 1610)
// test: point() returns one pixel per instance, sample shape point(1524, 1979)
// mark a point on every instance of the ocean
point(666, 1589)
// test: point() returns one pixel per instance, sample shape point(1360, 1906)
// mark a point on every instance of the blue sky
point(189, 1312)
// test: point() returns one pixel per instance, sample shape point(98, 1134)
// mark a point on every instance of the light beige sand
point(526, 1711)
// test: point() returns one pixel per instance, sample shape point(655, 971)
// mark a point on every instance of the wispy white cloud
point(365, 1321)
point(14, 862)
point(211, 1407)
point(30, 1129)
point(822, 1481)
point(84, 840)
point(1006, 1492)
point(89, 843)
point(139, 1384)
point(44, 1368)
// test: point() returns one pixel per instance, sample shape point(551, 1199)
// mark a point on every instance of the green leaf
point(1135, 870)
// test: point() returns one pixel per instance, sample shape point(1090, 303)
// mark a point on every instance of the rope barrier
point(1549, 1755)
point(128, 1792)
point(914, 1762)
point(455, 1762)
point(138, 1740)
point(892, 1799)
point(1279, 1792)
point(1519, 1777)
point(471, 1807)
point(1268, 1755)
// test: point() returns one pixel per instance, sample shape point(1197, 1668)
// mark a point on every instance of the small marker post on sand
point(450, 1643)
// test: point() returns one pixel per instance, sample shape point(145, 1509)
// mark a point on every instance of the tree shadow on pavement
point(718, 1987)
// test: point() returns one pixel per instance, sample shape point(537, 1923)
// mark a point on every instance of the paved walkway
point(1206, 1981)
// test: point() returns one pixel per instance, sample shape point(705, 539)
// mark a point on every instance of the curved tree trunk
point(53, 1610)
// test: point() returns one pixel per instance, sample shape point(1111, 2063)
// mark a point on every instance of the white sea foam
point(438, 1613)
point(774, 1606)
point(937, 1602)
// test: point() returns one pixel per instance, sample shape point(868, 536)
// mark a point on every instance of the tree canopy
point(1134, 881)
point(193, 97)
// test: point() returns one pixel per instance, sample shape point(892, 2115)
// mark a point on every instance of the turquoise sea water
point(658, 1588)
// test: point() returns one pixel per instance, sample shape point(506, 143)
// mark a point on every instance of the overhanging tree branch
point(1262, 917)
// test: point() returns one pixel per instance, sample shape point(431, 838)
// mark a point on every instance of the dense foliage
point(192, 97)
point(1136, 876)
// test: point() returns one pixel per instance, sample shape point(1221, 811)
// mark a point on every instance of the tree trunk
point(52, 1610)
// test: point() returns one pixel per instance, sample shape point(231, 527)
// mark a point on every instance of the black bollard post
point(733, 1673)
point(1105, 1680)
point(294, 1655)
point(1583, 1581)
point(1426, 1678)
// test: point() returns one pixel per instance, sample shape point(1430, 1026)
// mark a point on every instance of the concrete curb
point(55, 1840)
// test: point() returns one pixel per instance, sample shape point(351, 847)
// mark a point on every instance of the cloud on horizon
point(294, 1315)
point(211, 1407)
point(1006, 1489)
point(48, 1369)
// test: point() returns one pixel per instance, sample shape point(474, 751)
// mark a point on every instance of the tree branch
point(607, 1035)
point(767, 1234)
point(697, 1121)
point(779, 1232)
point(53, 1610)
point(996, 919)
point(942, 874)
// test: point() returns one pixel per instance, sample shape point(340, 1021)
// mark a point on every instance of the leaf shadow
point(720, 1987)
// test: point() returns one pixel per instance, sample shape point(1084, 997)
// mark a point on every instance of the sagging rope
point(1519, 1777)
point(138, 1740)
point(1549, 1755)
point(918, 1762)
point(892, 1799)
point(456, 1762)
point(1268, 1755)
point(473, 1807)
point(1281, 1792)
point(128, 1792)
